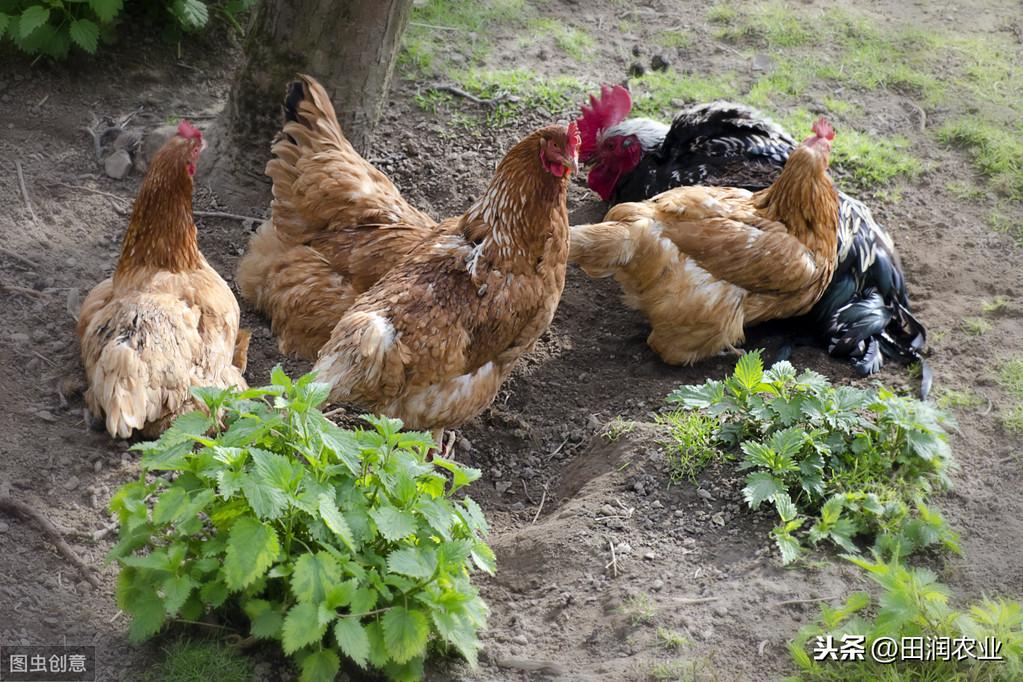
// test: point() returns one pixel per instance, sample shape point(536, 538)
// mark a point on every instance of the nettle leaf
point(106, 10)
point(785, 506)
point(342, 444)
point(415, 562)
point(320, 666)
point(393, 523)
point(379, 654)
point(363, 600)
point(301, 627)
point(192, 14)
point(265, 618)
point(405, 633)
point(749, 371)
point(484, 557)
point(31, 19)
point(313, 576)
point(252, 547)
point(761, 486)
point(459, 632)
point(332, 516)
point(266, 501)
point(276, 470)
point(439, 514)
point(85, 33)
point(461, 476)
point(214, 593)
point(352, 640)
point(176, 590)
point(473, 516)
point(788, 546)
point(341, 594)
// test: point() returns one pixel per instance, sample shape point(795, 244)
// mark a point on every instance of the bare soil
point(558, 609)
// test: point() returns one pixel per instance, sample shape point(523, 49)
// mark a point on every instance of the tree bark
point(350, 46)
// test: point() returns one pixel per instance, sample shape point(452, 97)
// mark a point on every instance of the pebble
point(718, 518)
point(19, 337)
point(520, 639)
point(650, 556)
point(762, 62)
point(607, 510)
point(659, 63)
point(46, 416)
point(705, 494)
point(97, 466)
point(656, 504)
point(721, 610)
point(71, 483)
point(624, 548)
point(657, 585)
point(4, 527)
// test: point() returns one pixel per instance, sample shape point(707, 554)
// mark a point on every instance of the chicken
point(166, 321)
point(704, 262)
point(864, 315)
point(337, 225)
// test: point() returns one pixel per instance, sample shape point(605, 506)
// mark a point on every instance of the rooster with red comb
point(864, 315)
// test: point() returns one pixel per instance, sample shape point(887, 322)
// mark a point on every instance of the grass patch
point(639, 609)
point(1003, 224)
point(691, 444)
point(995, 306)
point(574, 42)
point(677, 39)
point(618, 427)
point(438, 27)
point(659, 94)
point(1010, 378)
point(996, 150)
point(976, 326)
point(671, 640)
point(951, 398)
point(966, 191)
point(722, 14)
point(188, 660)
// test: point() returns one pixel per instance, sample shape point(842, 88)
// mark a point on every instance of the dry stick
point(543, 498)
point(19, 257)
point(221, 214)
point(24, 291)
point(442, 28)
point(693, 600)
point(24, 191)
point(526, 492)
point(817, 600)
point(45, 359)
point(21, 509)
point(90, 189)
point(922, 113)
point(613, 564)
point(458, 92)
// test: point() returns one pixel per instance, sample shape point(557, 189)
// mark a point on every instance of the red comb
point(574, 139)
point(612, 108)
point(823, 129)
point(187, 131)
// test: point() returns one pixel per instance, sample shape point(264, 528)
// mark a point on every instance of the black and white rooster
point(864, 315)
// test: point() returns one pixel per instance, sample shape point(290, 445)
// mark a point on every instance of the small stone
point(656, 504)
point(97, 466)
point(679, 513)
point(624, 548)
point(718, 518)
point(520, 639)
point(657, 585)
point(502, 486)
point(4, 527)
point(118, 164)
point(659, 63)
point(464, 444)
point(721, 610)
point(46, 416)
point(607, 510)
point(650, 556)
point(763, 62)
point(71, 483)
point(705, 494)
point(84, 586)
point(19, 337)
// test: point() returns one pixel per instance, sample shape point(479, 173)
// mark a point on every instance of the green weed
point(617, 428)
point(574, 42)
point(995, 306)
point(966, 399)
point(659, 94)
point(639, 609)
point(1010, 378)
point(691, 444)
point(188, 660)
point(671, 639)
point(975, 326)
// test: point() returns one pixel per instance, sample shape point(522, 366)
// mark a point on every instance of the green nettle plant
point(51, 27)
point(288, 527)
point(836, 463)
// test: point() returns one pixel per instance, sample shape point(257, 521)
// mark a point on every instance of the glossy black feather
point(864, 314)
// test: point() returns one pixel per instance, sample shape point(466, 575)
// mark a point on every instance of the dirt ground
point(700, 556)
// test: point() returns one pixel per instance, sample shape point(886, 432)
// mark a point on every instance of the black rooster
point(864, 315)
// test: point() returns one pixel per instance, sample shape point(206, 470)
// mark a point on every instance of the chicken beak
point(571, 163)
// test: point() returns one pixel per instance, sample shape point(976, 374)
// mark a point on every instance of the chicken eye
point(627, 143)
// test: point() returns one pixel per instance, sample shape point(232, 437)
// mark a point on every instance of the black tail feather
point(295, 96)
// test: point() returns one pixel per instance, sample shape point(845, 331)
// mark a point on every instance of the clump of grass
point(995, 306)
point(976, 326)
point(722, 14)
point(675, 38)
point(671, 639)
point(428, 44)
point(658, 94)
point(618, 427)
point(966, 399)
point(965, 191)
point(996, 149)
point(998, 221)
point(639, 609)
point(690, 445)
point(187, 660)
point(575, 42)
point(1011, 379)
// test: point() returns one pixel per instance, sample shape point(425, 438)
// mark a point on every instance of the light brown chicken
point(337, 225)
point(703, 262)
point(433, 340)
point(166, 321)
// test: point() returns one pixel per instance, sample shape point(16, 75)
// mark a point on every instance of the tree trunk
point(348, 45)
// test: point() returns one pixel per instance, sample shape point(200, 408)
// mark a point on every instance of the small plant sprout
point(995, 306)
point(976, 326)
point(671, 640)
point(618, 427)
point(639, 609)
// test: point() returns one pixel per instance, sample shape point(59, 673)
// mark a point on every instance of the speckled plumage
point(166, 321)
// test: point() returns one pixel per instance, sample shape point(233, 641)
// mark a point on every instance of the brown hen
point(166, 321)
point(704, 262)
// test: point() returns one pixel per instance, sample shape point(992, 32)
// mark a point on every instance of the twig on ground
point(440, 28)
point(526, 492)
point(693, 600)
point(613, 564)
point(221, 214)
point(91, 190)
point(19, 257)
point(24, 191)
point(543, 499)
point(45, 359)
point(557, 449)
point(331, 413)
point(41, 102)
point(24, 291)
point(793, 602)
point(93, 132)
point(459, 92)
point(23, 510)
point(922, 123)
